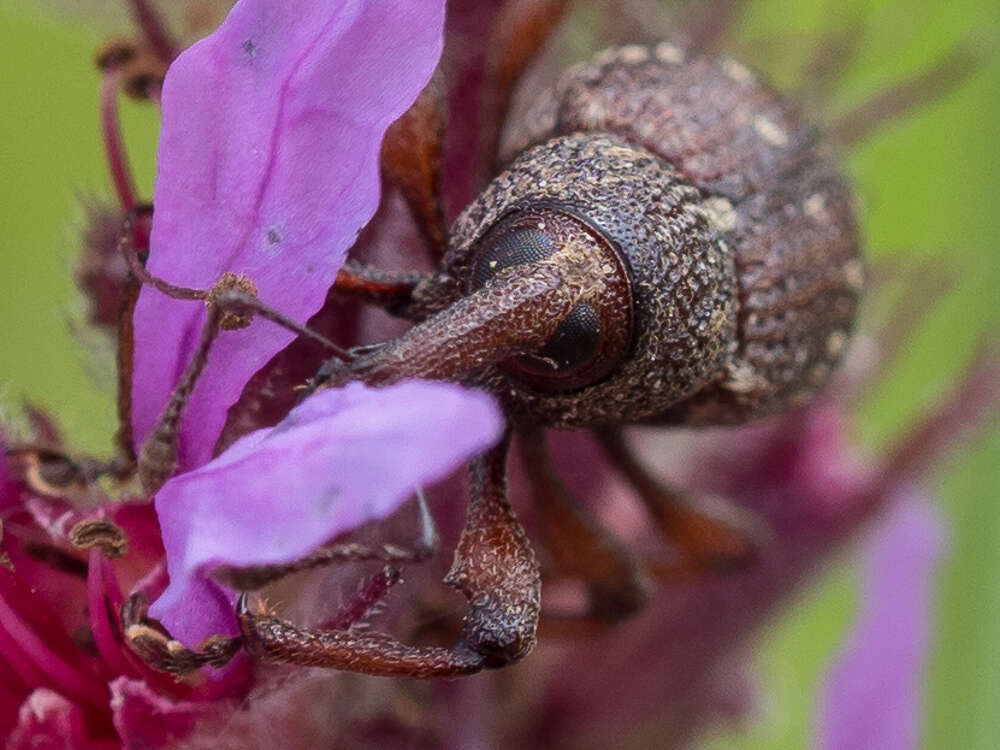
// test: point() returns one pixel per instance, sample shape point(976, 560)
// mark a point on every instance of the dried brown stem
point(973, 403)
point(253, 577)
point(907, 95)
point(158, 457)
point(148, 19)
point(114, 145)
point(579, 544)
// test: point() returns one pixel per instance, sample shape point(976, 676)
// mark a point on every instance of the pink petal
point(873, 694)
point(340, 459)
point(33, 643)
point(144, 719)
point(47, 720)
point(268, 166)
point(104, 601)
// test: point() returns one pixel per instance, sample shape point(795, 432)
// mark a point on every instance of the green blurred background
point(927, 183)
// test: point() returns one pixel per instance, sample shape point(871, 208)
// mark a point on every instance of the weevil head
point(658, 332)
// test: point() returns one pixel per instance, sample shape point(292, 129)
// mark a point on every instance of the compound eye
point(594, 338)
point(574, 343)
point(516, 246)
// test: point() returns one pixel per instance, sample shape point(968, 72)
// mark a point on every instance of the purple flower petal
point(342, 458)
point(872, 698)
point(268, 166)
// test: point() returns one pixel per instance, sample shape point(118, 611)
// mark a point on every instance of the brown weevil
point(668, 243)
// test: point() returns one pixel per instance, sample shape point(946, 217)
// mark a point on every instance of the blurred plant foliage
point(926, 185)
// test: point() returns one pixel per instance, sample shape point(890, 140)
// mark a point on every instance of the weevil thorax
point(728, 214)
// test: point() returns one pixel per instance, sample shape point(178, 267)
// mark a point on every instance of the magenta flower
point(67, 678)
point(268, 167)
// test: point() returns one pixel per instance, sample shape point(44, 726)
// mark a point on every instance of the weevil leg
point(157, 459)
point(154, 645)
point(519, 30)
point(393, 291)
point(411, 160)
point(365, 601)
point(581, 547)
point(709, 536)
point(494, 567)
point(409, 295)
point(273, 639)
point(147, 637)
point(412, 148)
point(253, 577)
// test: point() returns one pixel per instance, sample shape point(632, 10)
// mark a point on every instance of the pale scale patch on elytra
point(718, 321)
point(770, 131)
point(592, 113)
point(669, 53)
point(633, 54)
point(582, 71)
point(815, 208)
point(720, 214)
point(623, 154)
point(854, 274)
point(835, 343)
point(737, 71)
point(742, 378)
point(606, 57)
